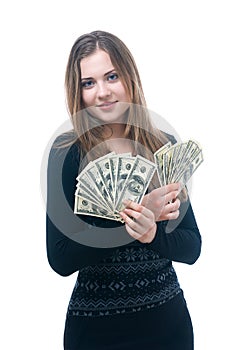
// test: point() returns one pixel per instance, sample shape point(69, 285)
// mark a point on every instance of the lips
point(106, 104)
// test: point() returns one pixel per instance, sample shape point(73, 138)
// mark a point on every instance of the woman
point(127, 295)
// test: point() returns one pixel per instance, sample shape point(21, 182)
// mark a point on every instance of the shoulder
point(64, 147)
point(163, 137)
point(64, 140)
point(170, 137)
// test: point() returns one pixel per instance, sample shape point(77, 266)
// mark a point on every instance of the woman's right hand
point(163, 202)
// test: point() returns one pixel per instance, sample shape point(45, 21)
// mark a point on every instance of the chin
point(118, 115)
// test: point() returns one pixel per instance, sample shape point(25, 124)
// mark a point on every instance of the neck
point(115, 130)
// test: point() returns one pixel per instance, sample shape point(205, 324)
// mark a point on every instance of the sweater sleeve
point(73, 242)
point(179, 240)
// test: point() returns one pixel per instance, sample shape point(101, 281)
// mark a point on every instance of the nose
point(103, 90)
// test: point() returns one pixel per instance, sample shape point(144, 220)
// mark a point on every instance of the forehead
point(96, 64)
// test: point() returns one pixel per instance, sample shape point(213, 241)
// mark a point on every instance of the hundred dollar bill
point(191, 151)
point(86, 182)
point(85, 193)
point(158, 156)
point(137, 182)
point(114, 166)
point(124, 167)
point(184, 177)
point(92, 178)
point(113, 169)
point(168, 157)
point(84, 207)
point(176, 160)
point(104, 168)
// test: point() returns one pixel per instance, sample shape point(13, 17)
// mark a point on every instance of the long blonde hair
point(138, 127)
point(89, 134)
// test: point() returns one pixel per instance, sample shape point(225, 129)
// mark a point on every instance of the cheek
point(87, 97)
point(124, 94)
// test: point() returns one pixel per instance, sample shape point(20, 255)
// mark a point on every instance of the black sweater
point(116, 273)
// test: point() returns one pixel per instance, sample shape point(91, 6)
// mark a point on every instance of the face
point(102, 91)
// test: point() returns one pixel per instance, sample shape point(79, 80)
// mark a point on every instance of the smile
point(107, 105)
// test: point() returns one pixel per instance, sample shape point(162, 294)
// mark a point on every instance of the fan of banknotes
point(105, 183)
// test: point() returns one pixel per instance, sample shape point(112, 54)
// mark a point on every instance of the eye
point(87, 84)
point(112, 77)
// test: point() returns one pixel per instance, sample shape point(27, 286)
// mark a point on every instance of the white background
point(184, 52)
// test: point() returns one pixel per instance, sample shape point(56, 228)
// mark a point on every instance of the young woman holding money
point(127, 295)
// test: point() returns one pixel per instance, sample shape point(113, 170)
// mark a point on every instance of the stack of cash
point(104, 184)
point(177, 163)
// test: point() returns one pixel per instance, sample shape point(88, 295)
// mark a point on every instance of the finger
point(170, 211)
point(138, 218)
point(170, 197)
point(137, 226)
point(169, 216)
point(130, 225)
point(173, 187)
point(173, 215)
point(132, 233)
point(137, 208)
point(163, 194)
point(133, 205)
point(140, 209)
point(173, 206)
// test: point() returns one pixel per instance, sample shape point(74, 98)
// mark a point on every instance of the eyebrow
point(104, 75)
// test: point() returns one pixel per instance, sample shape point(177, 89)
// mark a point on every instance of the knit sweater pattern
point(132, 279)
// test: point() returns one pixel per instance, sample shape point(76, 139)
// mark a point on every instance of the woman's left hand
point(139, 222)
